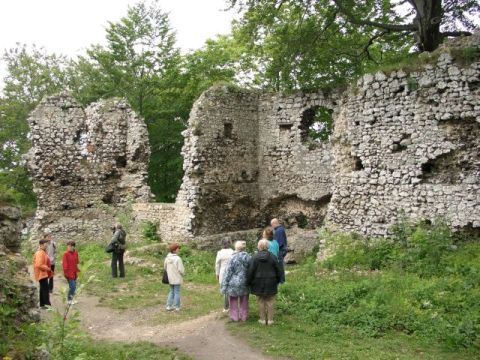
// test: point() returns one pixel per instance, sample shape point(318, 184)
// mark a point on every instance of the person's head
point(240, 245)
point(47, 235)
point(263, 245)
point(226, 243)
point(71, 246)
point(173, 247)
point(274, 222)
point(268, 233)
point(118, 227)
point(43, 243)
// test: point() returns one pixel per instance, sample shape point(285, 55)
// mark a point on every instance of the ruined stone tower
point(84, 161)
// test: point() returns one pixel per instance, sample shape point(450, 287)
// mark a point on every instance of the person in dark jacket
point(281, 237)
point(263, 276)
point(119, 242)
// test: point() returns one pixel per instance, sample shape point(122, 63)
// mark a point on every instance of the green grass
point(141, 288)
point(142, 285)
point(30, 338)
point(416, 296)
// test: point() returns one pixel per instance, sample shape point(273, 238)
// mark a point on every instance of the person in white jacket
point(221, 262)
point(173, 265)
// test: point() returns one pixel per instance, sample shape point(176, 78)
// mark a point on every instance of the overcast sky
point(70, 26)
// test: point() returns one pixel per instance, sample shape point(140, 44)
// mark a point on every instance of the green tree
point(138, 63)
point(429, 21)
point(32, 74)
point(424, 22)
point(308, 44)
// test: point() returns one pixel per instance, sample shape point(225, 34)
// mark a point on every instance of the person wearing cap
point(42, 271)
point(52, 255)
point(221, 262)
point(173, 265)
point(70, 269)
point(234, 283)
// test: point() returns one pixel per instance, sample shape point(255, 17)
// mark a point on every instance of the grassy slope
point(410, 309)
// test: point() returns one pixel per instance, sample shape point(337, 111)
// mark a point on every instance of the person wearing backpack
point(119, 245)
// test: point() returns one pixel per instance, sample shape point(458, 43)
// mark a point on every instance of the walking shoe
point(270, 322)
point(169, 308)
point(263, 322)
point(72, 302)
point(177, 309)
point(225, 311)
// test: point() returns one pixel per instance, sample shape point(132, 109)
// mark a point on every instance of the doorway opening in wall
point(316, 126)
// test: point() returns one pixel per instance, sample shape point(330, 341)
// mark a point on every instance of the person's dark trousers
point(117, 257)
point(281, 265)
point(50, 280)
point(44, 292)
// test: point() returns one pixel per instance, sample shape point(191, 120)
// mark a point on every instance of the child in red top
point(70, 269)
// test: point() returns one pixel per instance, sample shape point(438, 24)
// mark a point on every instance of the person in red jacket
point(70, 269)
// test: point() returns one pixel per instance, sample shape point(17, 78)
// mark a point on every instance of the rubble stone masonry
point(403, 142)
point(84, 162)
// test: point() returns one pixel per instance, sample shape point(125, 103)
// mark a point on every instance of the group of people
point(44, 269)
point(240, 274)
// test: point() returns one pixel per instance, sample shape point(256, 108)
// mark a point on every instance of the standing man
point(119, 242)
point(281, 238)
point(52, 254)
point(41, 271)
point(70, 270)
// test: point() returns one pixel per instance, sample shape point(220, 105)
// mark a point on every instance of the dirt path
point(201, 338)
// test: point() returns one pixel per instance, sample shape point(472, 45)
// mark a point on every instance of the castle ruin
point(402, 142)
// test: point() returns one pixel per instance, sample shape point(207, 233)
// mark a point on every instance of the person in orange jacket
point(42, 272)
point(70, 270)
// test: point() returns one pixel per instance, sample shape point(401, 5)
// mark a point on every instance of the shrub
point(149, 232)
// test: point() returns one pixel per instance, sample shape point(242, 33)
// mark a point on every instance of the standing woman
point(234, 282)
point(221, 262)
point(173, 265)
point(263, 278)
point(52, 255)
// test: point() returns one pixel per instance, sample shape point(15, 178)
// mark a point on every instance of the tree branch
point(456, 33)
point(388, 27)
point(370, 42)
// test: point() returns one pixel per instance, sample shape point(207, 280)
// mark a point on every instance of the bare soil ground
point(201, 338)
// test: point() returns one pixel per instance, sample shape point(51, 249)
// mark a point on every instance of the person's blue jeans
point(72, 286)
point(174, 296)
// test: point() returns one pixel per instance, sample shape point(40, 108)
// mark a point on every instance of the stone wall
point(83, 163)
point(17, 290)
point(403, 142)
point(295, 175)
point(220, 185)
point(408, 142)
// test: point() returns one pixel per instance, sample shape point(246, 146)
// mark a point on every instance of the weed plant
point(416, 295)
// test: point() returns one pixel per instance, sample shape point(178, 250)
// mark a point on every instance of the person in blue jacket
point(281, 237)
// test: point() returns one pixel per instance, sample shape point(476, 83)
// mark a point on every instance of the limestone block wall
point(220, 190)
point(82, 161)
point(295, 175)
point(16, 287)
point(408, 143)
point(168, 218)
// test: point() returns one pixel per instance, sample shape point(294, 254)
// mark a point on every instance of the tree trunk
point(427, 20)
